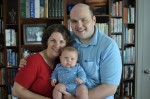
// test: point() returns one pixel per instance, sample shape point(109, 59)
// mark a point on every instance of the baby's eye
point(72, 59)
point(66, 58)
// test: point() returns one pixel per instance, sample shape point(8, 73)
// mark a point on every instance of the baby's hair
point(69, 48)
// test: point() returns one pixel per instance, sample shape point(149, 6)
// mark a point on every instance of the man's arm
point(99, 92)
point(102, 91)
point(22, 62)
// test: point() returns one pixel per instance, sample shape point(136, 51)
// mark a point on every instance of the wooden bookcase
point(107, 17)
point(2, 67)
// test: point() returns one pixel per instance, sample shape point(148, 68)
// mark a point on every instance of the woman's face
point(55, 43)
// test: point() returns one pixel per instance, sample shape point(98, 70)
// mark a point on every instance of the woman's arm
point(21, 92)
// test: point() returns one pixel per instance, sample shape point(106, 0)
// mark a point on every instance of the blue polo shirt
point(101, 60)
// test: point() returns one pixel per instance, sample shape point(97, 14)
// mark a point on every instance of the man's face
point(82, 23)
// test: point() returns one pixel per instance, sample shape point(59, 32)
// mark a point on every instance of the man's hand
point(22, 62)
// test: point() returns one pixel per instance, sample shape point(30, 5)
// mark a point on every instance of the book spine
point(37, 8)
point(22, 8)
point(27, 8)
point(32, 10)
point(46, 9)
point(41, 8)
point(7, 37)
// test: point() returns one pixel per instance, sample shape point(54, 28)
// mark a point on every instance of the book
point(7, 37)
point(22, 8)
point(37, 8)
point(32, 9)
point(46, 8)
point(27, 8)
point(42, 8)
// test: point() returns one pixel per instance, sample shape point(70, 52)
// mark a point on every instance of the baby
point(69, 75)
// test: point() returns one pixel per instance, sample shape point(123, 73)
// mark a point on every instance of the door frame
point(139, 46)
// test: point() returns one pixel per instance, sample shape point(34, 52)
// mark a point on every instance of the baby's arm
point(53, 82)
point(81, 75)
point(78, 81)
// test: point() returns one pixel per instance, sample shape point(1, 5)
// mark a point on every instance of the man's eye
point(73, 21)
point(84, 20)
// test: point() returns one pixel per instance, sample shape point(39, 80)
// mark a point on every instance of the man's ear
point(94, 19)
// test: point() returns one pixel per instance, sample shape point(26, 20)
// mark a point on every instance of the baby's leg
point(82, 92)
point(56, 92)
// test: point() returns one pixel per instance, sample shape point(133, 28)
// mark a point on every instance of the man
point(98, 54)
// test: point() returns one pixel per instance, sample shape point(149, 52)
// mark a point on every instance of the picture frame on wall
point(32, 33)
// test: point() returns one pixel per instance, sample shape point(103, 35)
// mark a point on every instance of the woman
point(32, 81)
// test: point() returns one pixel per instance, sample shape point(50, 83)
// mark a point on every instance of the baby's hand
point(53, 82)
point(78, 81)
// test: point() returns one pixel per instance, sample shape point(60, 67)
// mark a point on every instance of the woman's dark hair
point(56, 28)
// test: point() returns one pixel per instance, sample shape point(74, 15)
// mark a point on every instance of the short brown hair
point(56, 28)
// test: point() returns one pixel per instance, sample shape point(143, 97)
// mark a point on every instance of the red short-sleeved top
point(35, 76)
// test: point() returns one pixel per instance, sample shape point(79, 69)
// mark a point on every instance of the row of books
point(2, 76)
point(129, 36)
point(11, 73)
point(129, 54)
point(1, 58)
point(128, 72)
point(103, 27)
point(1, 9)
point(41, 8)
point(10, 35)
point(128, 89)
point(3, 93)
point(1, 26)
point(129, 14)
point(117, 9)
point(116, 25)
point(118, 39)
point(12, 58)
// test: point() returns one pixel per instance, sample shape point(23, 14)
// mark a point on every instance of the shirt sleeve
point(111, 65)
point(27, 75)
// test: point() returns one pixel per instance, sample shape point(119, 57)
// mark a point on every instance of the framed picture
point(32, 33)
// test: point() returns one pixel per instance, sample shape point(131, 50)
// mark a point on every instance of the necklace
point(47, 59)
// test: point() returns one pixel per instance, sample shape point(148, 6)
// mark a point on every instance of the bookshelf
point(17, 15)
point(122, 30)
point(2, 67)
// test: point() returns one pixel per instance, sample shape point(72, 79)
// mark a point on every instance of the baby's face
point(68, 59)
